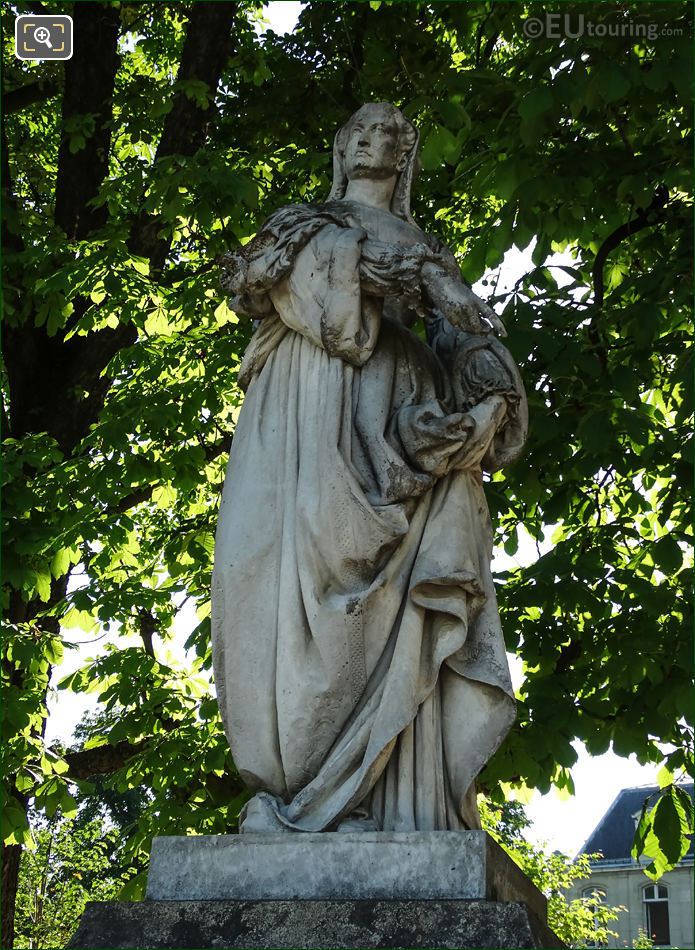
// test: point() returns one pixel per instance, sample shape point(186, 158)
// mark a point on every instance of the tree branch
point(11, 234)
point(351, 80)
point(45, 373)
point(134, 498)
point(107, 759)
point(206, 50)
point(218, 448)
point(643, 219)
point(148, 628)
point(479, 35)
point(101, 760)
point(139, 495)
point(14, 100)
point(490, 46)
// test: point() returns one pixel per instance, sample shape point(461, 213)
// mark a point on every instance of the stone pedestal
point(367, 889)
point(364, 865)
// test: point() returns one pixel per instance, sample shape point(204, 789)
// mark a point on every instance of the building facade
point(664, 909)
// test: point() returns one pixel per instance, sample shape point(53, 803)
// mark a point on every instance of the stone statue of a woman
point(358, 656)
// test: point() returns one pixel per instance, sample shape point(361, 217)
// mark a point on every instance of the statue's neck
point(373, 192)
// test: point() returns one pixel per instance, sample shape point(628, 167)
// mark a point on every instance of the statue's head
point(377, 141)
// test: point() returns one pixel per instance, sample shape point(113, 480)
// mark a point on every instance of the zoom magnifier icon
point(43, 35)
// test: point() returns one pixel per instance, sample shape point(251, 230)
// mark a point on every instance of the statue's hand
point(458, 303)
point(233, 268)
point(483, 315)
point(487, 417)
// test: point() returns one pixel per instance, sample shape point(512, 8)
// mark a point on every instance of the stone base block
point(198, 925)
point(354, 866)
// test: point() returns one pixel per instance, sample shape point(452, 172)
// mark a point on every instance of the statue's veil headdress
point(400, 202)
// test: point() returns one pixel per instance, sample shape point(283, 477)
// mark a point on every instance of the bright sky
point(564, 824)
point(281, 15)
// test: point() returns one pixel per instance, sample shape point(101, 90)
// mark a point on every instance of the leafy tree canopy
point(72, 862)
point(172, 132)
point(578, 922)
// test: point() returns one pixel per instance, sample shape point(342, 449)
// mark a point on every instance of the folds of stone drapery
point(437, 704)
point(354, 618)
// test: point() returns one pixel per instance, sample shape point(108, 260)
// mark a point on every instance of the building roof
point(614, 834)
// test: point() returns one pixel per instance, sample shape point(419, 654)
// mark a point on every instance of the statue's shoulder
point(277, 241)
point(294, 215)
point(284, 217)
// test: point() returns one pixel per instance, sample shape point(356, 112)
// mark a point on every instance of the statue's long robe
point(358, 656)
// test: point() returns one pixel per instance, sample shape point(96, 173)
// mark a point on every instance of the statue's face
point(372, 149)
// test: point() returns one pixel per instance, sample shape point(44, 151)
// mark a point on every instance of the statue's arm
point(437, 441)
point(446, 292)
point(483, 374)
point(387, 268)
point(240, 277)
point(429, 276)
point(249, 273)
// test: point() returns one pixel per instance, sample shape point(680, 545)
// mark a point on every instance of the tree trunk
point(11, 855)
point(45, 372)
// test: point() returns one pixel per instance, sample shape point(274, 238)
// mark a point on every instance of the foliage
point(580, 922)
point(665, 828)
point(131, 169)
point(642, 941)
point(73, 862)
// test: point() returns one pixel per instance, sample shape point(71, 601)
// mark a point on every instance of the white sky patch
point(564, 824)
point(65, 708)
point(280, 16)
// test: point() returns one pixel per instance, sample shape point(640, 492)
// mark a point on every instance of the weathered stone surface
point(434, 865)
point(358, 656)
point(310, 924)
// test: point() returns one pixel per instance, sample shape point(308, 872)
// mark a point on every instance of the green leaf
point(644, 827)
point(208, 709)
point(439, 146)
point(507, 178)
point(134, 889)
point(614, 83)
point(663, 832)
point(224, 315)
point(54, 651)
point(164, 495)
point(535, 103)
point(81, 619)
point(454, 114)
point(60, 563)
point(667, 554)
point(664, 776)
point(657, 76)
point(15, 827)
point(142, 264)
point(43, 585)
point(667, 828)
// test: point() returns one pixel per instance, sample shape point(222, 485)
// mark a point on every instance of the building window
point(596, 896)
point(655, 897)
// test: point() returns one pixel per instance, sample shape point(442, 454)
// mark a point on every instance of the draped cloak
point(358, 656)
